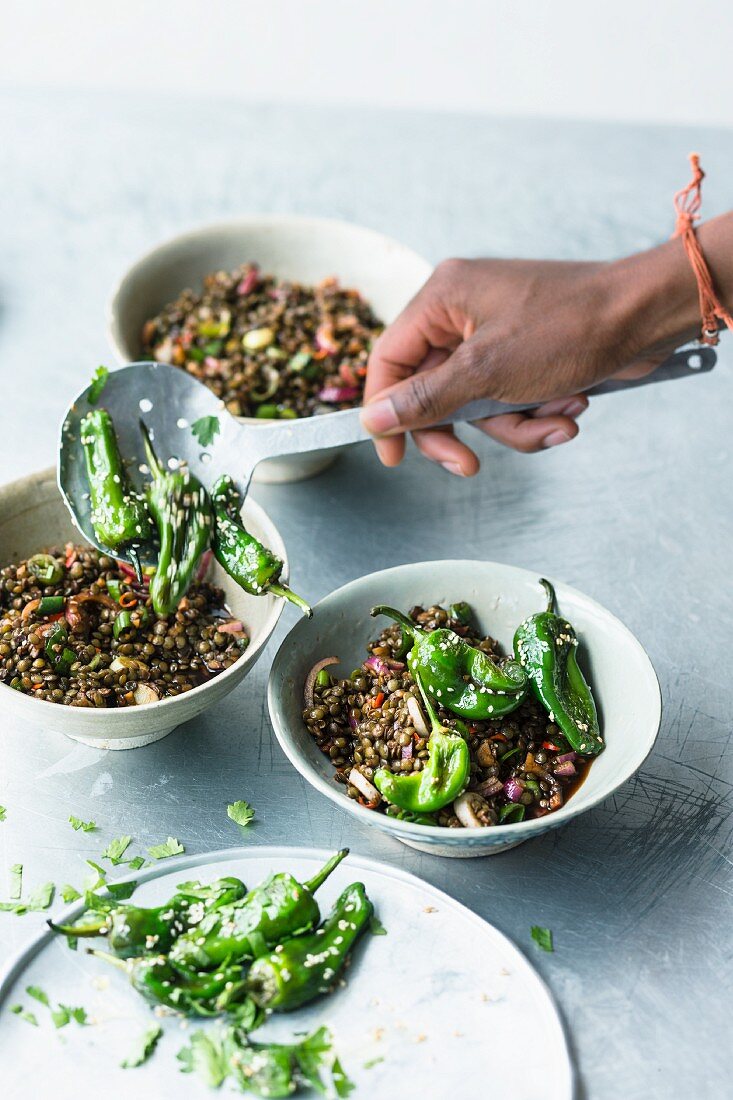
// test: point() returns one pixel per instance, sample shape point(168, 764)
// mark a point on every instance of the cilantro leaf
point(38, 994)
point(172, 847)
point(542, 937)
point(93, 882)
point(77, 823)
point(16, 881)
point(42, 896)
point(376, 927)
point(29, 1017)
point(135, 863)
point(69, 893)
point(143, 1048)
point(206, 429)
point(99, 381)
point(3, 813)
point(241, 812)
point(60, 1016)
point(116, 849)
point(204, 1056)
point(120, 891)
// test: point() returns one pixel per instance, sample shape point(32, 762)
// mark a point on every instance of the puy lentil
point(91, 681)
point(360, 735)
point(257, 341)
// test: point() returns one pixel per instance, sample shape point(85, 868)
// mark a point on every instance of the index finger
point(397, 352)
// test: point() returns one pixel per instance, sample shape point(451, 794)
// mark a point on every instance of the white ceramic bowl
point(623, 680)
point(33, 516)
point(304, 249)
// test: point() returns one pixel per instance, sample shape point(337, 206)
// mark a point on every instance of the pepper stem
point(153, 461)
point(288, 594)
point(406, 623)
point(119, 963)
point(551, 598)
point(80, 930)
point(318, 879)
point(135, 559)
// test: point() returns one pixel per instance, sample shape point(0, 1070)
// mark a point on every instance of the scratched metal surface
point(637, 513)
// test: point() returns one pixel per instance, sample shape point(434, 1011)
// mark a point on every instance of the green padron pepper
point(462, 679)
point(443, 777)
point(546, 645)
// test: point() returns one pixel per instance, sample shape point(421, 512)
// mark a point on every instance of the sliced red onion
point(353, 720)
point(566, 756)
point(377, 664)
point(407, 751)
point(250, 281)
point(418, 718)
point(203, 566)
point(131, 574)
point(310, 680)
point(513, 789)
point(491, 787)
point(332, 395)
point(364, 787)
point(566, 770)
point(212, 366)
point(396, 666)
point(347, 375)
point(325, 340)
point(235, 626)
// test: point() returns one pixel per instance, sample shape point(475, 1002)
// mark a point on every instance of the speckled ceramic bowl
point(33, 516)
point(624, 683)
point(304, 249)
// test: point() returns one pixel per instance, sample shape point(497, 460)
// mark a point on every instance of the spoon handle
point(287, 437)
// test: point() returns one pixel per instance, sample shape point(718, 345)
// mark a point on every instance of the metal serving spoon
point(170, 403)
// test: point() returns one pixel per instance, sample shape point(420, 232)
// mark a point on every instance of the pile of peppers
point(178, 514)
point(221, 949)
point(465, 681)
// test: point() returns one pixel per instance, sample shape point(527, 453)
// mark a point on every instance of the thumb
point(427, 396)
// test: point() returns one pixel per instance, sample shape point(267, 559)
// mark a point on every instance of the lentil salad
point(377, 721)
point(77, 628)
point(267, 347)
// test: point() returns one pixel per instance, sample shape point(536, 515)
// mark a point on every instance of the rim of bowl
point(242, 221)
point(521, 830)
point(124, 714)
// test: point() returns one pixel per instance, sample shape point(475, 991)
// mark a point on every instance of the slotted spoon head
point(169, 402)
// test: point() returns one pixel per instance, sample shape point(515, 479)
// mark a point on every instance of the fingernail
point(574, 408)
point(379, 417)
point(554, 438)
point(453, 468)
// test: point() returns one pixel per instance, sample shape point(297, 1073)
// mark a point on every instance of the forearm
point(655, 293)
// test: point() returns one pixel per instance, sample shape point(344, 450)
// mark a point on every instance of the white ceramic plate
point(443, 998)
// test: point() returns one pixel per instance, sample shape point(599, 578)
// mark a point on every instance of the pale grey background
point(636, 512)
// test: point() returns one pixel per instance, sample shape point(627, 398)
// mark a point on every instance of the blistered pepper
point(255, 568)
point(461, 678)
point(277, 909)
point(307, 966)
point(546, 645)
point(441, 780)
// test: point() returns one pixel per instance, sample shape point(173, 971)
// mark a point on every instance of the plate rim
point(24, 956)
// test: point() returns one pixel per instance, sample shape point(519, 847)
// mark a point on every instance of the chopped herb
point(120, 891)
point(205, 1057)
point(63, 1015)
point(69, 893)
point(542, 937)
point(38, 994)
point(135, 863)
point(99, 381)
point(143, 1048)
point(29, 1017)
point(172, 847)
point(77, 823)
point(376, 927)
point(42, 896)
point(206, 429)
point(72, 942)
point(373, 1062)
point(16, 881)
point(241, 812)
point(3, 813)
point(94, 882)
point(116, 849)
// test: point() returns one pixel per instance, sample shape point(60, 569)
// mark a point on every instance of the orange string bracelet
point(687, 203)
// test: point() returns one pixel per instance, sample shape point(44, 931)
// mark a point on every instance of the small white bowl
point(33, 516)
point(624, 683)
point(303, 249)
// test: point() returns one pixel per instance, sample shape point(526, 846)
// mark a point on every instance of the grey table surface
point(636, 512)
